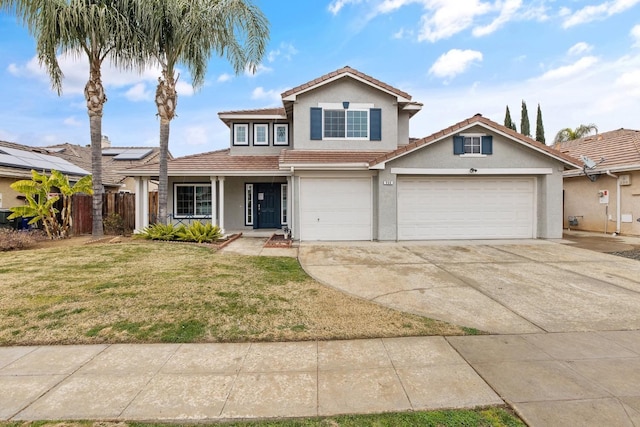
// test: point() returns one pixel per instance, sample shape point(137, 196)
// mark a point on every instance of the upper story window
point(240, 134)
point(260, 134)
point(281, 134)
point(346, 121)
point(478, 145)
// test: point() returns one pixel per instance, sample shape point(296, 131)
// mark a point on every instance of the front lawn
point(162, 292)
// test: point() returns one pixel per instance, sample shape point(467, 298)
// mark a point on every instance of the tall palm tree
point(94, 28)
point(188, 32)
point(568, 134)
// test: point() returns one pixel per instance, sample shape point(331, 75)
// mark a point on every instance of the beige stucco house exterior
point(606, 196)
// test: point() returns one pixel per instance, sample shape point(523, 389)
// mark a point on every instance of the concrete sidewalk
point(200, 382)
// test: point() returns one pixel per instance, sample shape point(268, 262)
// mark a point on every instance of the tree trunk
point(166, 99)
point(95, 96)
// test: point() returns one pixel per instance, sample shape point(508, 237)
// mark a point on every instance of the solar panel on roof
point(113, 151)
point(134, 154)
point(31, 160)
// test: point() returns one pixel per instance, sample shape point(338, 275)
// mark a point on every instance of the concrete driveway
point(501, 287)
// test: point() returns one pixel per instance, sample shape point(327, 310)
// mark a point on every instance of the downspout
point(617, 200)
point(292, 210)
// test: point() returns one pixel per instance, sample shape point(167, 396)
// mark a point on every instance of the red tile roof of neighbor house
point(618, 147)
point(465, 124)
point(214, 161)
point(301, 157)
point(344, 71)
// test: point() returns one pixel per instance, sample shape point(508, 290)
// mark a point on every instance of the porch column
point(137, 187)
point(214, 204)
point(221, 218)
point(145, 202)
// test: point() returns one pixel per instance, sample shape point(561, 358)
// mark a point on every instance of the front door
point(267, 205)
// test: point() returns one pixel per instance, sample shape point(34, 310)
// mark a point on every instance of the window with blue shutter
point(375, 120)
point(487, 144)
point(316, 123)
point(458, 145)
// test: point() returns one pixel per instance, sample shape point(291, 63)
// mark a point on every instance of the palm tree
point(95, 28)
point(568, 134)
point(187, 32)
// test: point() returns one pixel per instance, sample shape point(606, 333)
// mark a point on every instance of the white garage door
point(465, 208)
point(335, 209)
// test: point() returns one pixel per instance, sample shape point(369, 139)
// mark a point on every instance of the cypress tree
point(539, 127)
point(507, 120)
point(525, 128)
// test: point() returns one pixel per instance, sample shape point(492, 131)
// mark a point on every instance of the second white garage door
point(465, 208)
point(335, 209)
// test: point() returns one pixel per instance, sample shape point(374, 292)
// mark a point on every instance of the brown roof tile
point(293, 157)
point(260, 111)
point(618, 147)
point(216, 161)
point(346, 70)
point(470, 121)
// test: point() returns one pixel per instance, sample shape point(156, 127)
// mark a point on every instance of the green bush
point(161, 232)
point(114, 225)
point(195, 232)
point(199, 232)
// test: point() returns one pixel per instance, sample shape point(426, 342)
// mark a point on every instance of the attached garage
point(335, 209)
point(475, 207)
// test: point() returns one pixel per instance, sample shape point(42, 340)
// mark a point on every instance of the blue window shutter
point(375, 122)
point(487, 144)
point(458, 145)
point(316, 123)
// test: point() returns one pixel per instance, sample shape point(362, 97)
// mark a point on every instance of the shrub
point(18, 239)
point(161, 232)
point(199, 232)
point(114, 225)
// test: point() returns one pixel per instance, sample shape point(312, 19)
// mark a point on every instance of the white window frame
point(237, 126)
point(248, 204)
point(194, 214)
point(284, 204)
point(351, 107)
point(286, 133)
point(464, 145)
point(257, 126)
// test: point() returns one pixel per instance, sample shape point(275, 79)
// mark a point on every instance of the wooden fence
point(122, 204)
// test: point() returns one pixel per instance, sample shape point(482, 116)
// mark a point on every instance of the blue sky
point(579, 59)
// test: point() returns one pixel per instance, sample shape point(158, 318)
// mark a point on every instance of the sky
point(579, 60)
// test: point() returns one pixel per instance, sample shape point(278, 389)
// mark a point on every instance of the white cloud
point(580, 66)
point(336, 5)
point(184, 88)
point(14, 69)
point(285, 50)
point(139, 92)
point(72, 121)
point(224, 78)
point(444, 18)
point(260, 93)
point(635, 34)
point(454, 62)
point(630, 82)
point(597, 12)
point(579, 49)
point(508, 9)
point(196, 135)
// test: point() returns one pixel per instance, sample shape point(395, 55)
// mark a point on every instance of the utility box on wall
point(603, 196)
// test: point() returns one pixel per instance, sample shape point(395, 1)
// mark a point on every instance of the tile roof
point(477, 119)
point(346, 70)
point(111, 169)
point(618, 147)
point(279, 111)
point(216, 161)
point(300, 157)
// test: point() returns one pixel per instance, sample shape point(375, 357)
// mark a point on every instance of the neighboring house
point(16, 163)
point(606, 197)
point(336, 163)
point(114, 159)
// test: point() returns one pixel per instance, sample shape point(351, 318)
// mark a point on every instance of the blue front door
point(267, 202)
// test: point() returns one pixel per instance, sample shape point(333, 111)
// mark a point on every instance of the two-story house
point(336, 163)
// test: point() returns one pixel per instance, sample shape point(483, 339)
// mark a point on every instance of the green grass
point(487, 417)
